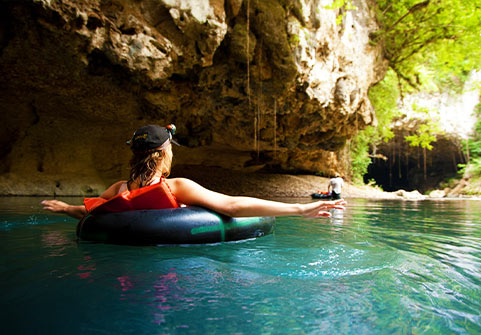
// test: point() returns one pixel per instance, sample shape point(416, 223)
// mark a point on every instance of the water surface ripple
point(380, 267)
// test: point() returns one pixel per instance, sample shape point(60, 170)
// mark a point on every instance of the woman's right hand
point(55, 206)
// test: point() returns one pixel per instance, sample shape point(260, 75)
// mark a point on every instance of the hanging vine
point(248, 71)
point(275, 129)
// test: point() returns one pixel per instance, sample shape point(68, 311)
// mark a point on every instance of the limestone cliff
point(250, 84)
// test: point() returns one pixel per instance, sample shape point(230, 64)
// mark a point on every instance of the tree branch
point(414, 8)
point(403, 77)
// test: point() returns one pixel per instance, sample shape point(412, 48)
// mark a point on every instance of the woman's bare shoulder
point(179, 182)
point(185, 186)
point(117, 185)
point(113, 189)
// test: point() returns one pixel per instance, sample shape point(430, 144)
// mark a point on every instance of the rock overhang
point(79, 75)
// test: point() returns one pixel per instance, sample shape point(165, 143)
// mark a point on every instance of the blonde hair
point(145, 165)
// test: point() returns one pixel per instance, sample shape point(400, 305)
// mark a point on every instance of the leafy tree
point(427, 130)
point(473, 147)
point(383, 97)
point(442, 34)
point(430, 45)
point(423, 138)
point(359, 153)
point(425, 133)
point(475, 141)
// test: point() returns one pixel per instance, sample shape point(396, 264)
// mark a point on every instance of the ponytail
point(144, 166)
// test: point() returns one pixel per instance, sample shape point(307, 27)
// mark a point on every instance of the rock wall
point(254, 84)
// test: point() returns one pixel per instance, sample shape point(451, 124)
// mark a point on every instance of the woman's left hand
point(317, 209)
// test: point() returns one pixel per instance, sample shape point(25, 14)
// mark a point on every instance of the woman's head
point(152, 153)
point(151, 137)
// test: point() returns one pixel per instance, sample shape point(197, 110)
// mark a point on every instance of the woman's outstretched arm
point(79, 211)
point(190, 193)
point(58, 206)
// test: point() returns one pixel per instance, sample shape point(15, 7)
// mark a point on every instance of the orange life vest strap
point(156, 196)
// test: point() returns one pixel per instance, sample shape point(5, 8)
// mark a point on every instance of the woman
point(151, 163)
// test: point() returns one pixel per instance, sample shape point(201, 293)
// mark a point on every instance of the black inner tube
point(184, 225)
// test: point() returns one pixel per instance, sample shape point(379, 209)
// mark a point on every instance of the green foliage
point(427, 130)
point(475, 140)
point(383, 97)
point(448, 183)
point(473, 167)
point(430, 45)
point(337, 4)
point(360, 159)
point(442, 34)
point(343, 5)
point(423, 137)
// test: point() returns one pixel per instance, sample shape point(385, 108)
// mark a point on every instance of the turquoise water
point(380, 267)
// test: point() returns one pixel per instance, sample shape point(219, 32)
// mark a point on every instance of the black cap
point(151, 136)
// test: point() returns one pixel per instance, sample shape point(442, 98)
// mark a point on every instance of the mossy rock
point(239, 41)
point(266, 16)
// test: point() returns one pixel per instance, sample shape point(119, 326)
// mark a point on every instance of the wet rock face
point(249, 84)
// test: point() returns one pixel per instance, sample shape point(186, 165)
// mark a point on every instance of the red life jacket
point(156, 196)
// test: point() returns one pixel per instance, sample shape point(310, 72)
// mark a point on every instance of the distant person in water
point(151, 162)
point(333, 189)
point(335, 186)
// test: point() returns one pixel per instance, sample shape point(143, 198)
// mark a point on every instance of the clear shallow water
point(380, 267)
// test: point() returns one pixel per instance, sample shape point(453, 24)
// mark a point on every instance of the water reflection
point(56, 241)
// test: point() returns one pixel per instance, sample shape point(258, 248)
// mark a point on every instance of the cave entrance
point(413, 168)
